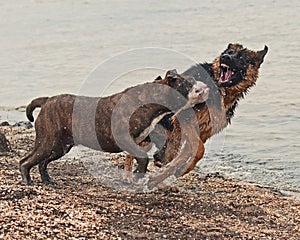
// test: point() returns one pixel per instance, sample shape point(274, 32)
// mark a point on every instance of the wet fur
point(218, 111)
point(58, 129)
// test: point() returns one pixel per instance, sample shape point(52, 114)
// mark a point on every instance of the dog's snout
point(225, 57)
point(200, 88)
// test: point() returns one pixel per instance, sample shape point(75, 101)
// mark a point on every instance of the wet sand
point(196, 207)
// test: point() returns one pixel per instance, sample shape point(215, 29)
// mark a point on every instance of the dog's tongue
point(226, 76)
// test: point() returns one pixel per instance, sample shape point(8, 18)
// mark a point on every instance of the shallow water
point(50, 47)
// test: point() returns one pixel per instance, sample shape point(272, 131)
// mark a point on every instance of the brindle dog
point(67, 120)
point(230, 77)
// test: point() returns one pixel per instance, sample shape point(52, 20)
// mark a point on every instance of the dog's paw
point(127, 176)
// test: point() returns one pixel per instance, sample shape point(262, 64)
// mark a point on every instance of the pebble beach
point(196, 206)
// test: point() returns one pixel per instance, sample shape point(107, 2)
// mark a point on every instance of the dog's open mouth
point(227, 74)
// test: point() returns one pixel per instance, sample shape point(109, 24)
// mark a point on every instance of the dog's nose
point(226, 57)
point(200, 87)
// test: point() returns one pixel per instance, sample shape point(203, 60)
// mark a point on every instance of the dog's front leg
point(191, 152)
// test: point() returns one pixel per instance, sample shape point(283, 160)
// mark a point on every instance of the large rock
point(4, 144)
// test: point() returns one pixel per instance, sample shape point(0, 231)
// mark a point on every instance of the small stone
point(4, 124)
point(24, 124)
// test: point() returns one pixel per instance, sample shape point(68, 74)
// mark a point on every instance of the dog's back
point(67, 120)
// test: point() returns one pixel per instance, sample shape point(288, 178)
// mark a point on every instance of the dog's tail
point(35, 103)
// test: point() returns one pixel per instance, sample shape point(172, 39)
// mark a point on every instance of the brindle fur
point(56, 123)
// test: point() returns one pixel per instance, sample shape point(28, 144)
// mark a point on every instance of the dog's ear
point(158, 78)
point(172, 75)
point(235, 46)
point(229, 45)
point(261, 54)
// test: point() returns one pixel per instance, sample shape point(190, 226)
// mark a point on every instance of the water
point(50, 47)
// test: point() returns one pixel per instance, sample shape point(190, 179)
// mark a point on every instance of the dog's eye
point(230, 51)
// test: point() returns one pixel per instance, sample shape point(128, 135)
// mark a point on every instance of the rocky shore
point(78, 207)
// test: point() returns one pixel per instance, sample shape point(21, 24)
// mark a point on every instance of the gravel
point(197, 206)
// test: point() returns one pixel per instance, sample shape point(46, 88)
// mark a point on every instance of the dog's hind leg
point(24, 170)
point(43, 170)
point(35, 157)
point(60, 150)
point(43, 153)
point(58, 153)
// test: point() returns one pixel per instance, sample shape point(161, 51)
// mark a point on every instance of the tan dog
point(233, 73)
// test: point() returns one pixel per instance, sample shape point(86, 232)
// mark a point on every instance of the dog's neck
point(230, 102)
point(230, 97)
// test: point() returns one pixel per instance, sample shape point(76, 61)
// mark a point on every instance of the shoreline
point(200, 206)
point(25, 124)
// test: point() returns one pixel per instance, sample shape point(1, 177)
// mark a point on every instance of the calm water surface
point(50, 47)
